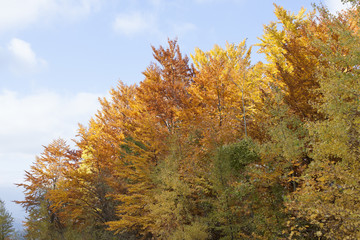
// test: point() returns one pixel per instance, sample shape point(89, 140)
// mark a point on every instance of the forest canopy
point(217, 147)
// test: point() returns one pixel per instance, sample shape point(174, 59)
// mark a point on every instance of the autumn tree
point(291, 65)
point(292, 72)
point(354, 2)
point(44, 176)
point(155, 111)
point(164, 94)
point(92, 192)
point(220, 150)
point(329, 195)
point(84, 194)
point(164, 90)
point(221, 92)
point(134, 159)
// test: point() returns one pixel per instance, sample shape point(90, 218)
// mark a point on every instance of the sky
point(57, 57)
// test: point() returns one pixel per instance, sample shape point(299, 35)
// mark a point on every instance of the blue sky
point(58, 56)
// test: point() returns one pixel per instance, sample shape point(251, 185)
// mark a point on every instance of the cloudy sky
point(58, 56)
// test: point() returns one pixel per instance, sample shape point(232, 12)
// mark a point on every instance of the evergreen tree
point(6, 222)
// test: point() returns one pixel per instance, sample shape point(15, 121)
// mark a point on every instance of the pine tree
point(6, 222)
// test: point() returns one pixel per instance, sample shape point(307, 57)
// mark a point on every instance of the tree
point(6, 222)
point(292, 69)
point(164, 91)
point(152, 115)
point(230, 188)
point(45, 176)
point(83, 197)
point(172, 204)
point(329, 196)
point(226, 94)
point(291, 63)
point(354, 2)
point(39, 226)
point(222, 150)
point(136, 152)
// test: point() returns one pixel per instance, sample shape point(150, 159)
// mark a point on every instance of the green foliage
point(40, 225)
point(171, 205)
point(284, 128)
point(6, 222)
point(238, 155)
point(197, 230)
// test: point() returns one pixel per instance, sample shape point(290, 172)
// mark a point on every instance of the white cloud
point(13, 166)
point(22, 59)
point(134, 23)
point(44, 112)
point(336, 6)
point(138, 23)
point(17, 14)
point(28, 122)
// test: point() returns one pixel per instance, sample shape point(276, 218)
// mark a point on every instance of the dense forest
point(217, 147)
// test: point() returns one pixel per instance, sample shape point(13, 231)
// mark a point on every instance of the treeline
point(217, 149)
